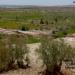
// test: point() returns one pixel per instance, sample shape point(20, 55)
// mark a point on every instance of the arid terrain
point(36, 63)
point(37, 40)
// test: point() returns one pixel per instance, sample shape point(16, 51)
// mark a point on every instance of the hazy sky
point(36, 2)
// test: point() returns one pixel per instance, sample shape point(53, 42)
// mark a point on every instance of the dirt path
point(33, 32)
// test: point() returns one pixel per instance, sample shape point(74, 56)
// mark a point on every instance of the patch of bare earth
point(21, 72)
point(68, 72)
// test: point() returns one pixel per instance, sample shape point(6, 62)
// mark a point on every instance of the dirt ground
point(68, 72)
point(22, 72)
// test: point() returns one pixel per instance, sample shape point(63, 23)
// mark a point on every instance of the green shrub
point(53, 53)
point(18, 45)
point(24, 28)
point(5, 55)
point(41, 21)
point(12, 48)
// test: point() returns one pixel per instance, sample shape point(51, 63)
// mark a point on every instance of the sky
point(36, 2)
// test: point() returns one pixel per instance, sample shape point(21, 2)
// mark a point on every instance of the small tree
point(53, 53)
point(24, 28)
point(56, 19)
point(41, 21)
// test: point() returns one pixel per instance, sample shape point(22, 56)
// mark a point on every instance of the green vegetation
point(30, 19)
point(32, 39)
point(12, 48)
point(53, 53)
point(5, 56)
point(24, 28)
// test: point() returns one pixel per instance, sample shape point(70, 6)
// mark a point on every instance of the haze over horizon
point(37, 2)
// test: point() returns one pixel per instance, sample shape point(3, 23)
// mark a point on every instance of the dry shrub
point(12, 48)
point(53, 52)
point(5, 55)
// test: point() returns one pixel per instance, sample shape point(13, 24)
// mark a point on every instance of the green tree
point(24, 28)
point(41, 21)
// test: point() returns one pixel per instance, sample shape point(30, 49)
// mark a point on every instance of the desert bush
point(56, 19)
point(61, 31)
point(19, 49)
point(53, 52)
point(46, 22)
point(24, 28)
point(41, 21)
point(5, 55)
point(13, 48)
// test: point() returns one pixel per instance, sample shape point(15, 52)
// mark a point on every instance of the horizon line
point(35, 5)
